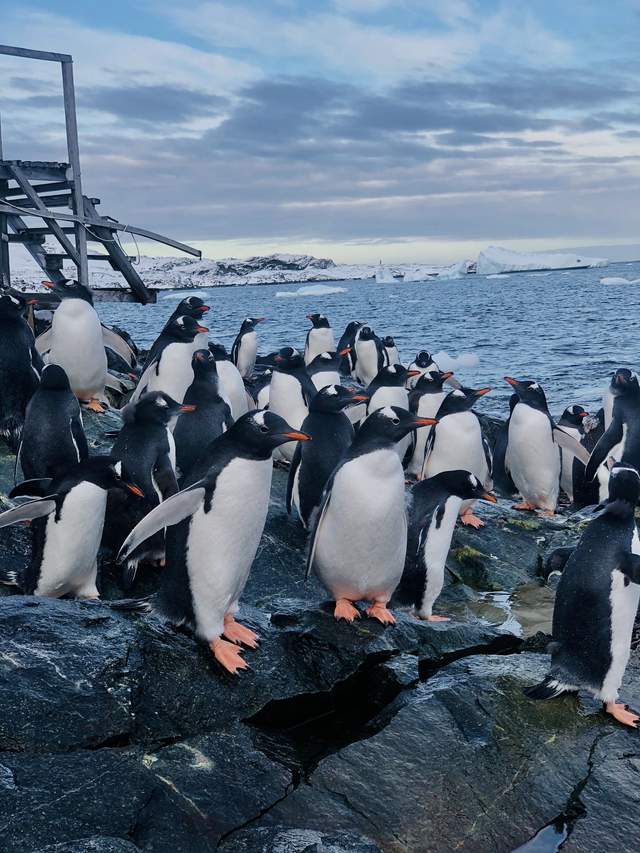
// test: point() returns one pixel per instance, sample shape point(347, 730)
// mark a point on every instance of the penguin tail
point(549, 688)
point(11, 431)
point(133, 605)
point(9, 577)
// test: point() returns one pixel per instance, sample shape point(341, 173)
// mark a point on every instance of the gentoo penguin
point(433, 511)
point(458, 443)
point(388, 389)
point(214, 528)
point(325, 369)
point(502, 481)
point(423, 363)
point(332, 433)
point(53, 438)
point(369, 355)
point(258, 387)
point(231, 384)
point(210, 418)
point(348, 339)
point(596, 603)
point(77, 343)
point(424, 401)
point(192, 306)
point(146, 452)
point(245, 346)
point(291, 392)
point(390, 350)
point(571, 422)
point(319, 337)
point(621, 439)
point(20, 366)
point(359, 537)
point(68, 517)
point(168, 366)
point(588, 493)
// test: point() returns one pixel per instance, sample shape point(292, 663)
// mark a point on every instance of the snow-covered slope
point(498, 260)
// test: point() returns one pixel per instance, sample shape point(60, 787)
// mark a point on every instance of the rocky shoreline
point(118, 735)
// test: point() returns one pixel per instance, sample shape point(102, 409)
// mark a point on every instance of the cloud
point(152, 104)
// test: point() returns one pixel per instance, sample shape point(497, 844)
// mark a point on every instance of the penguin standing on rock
point(20, 365)
point(214, 528)
point(53, 437)
point(621, 439)
point(596, 604)
point(588, 493)
point(434, 509)
point(424, 401)
point(68, 517)
point(313, 462)
point(457, 442)
point(168, 367)
point(369, 355)
point(359, 538)
point(245, 346)
point(291, 392)
point(77, 343)
point(571, 421)
point(319, 337)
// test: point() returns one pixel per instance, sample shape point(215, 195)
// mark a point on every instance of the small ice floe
point(612, 279)
point(180, 294)
point(311, 290)
point(455, 362)
point(499, 275)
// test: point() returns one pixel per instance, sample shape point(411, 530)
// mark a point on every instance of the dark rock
point(283, 840)
point(91, 845)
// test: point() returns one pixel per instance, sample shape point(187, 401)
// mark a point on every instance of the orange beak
point(481, 392)
point(414, 372)
point(260, 319)
point(136, 491)
point(32, 301)
point(583, 415)
point(511, 381)
point(188, 408)
point(203, 309)
point(360, 398)
point(345, 351)
point(489, 496)
point(297, 436)
point(425, 421)
point(447, 375)
point(48, 284)
point(202, 329)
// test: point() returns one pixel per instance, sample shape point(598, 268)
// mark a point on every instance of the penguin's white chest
point(77, 347)
point(532, 457)
point(386, 396)
point(428, 405)
point(174, 373)
point(222, 543)
point(232, 388)
point(319, 341)
point(325, 377)
point(362, 539)
point(286, 400)
point(367, 362)
point(566, 463)
point(458, 444)
point(247, 352)
point(71, 544)
point(435, 544)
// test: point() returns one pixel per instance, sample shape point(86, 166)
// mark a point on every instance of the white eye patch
point(259, 418)
point(534, 386)
point(331, 390)
point(474, 481)
point(161, 402)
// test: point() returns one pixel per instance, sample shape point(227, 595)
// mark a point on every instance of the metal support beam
point(68, 91)
point(5, 269)
point(35, 250)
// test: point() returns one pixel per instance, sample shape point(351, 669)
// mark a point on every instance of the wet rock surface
point(117, 734)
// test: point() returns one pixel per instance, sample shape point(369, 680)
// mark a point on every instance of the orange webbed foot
point(344, 609)
point(379, 611)
point(238, 633)
point(546, 513)
point(524, 506)
point(471, 520)
point(434, 618)
point(622, 714)
point(95, 406)
point(228, 655)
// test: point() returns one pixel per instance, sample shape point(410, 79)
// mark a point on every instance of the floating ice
point(199, 293)
point(311, 290)
point(455, 362)
point(616, 280)
point(495, 259)
point(499, 275)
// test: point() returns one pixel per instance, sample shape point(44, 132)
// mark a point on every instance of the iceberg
point(495, 260)
point(384, 275)
point(311, 290)
point(455, 362)
point(615, 280)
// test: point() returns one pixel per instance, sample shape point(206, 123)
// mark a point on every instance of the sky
point(401, 130)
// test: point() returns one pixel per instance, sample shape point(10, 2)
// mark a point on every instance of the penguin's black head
point(192, 306)
point(390, 424)
point(461, 400)
point(323, 362)
point(261, 431)
point(349, 334)
point(529, 392)
point(624, 484)
point(367, 334)
point(335, 398)
point(106, 473)
point(184, 328)
point(154, 407)
point(573, 416)
point(288, 358)
point(54, 378)
point(203, 363)
point(13, 304)
point(624, 382)
point(432, 381)
point(423, 359)
point(462, 484)
point(391, 376)
point(249, 324)
point(319, 321)
point(68, 289)
point(219, 352)
point(388, 341)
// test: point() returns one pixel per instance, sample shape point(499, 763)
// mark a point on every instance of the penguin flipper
point(172, 511)
point(44, 341)
point(28, 511)
point(37, 488)
point(316, 523)
point(295, 464)
point(235, 349)
point(143, 382)
point(488, 456)
point(630, 567)
point(165, 477)
point(600, 452)
point(112, 340)
point(568, 442)
point(79, 438)
point(548, 688)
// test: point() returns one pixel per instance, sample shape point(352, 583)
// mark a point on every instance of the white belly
point(175, 373)
point(367, 361)
point(72, 542)
point(77, 347)
point(232, 388)
point(566, 463)
point(458, 444)
point(286, 400)
point(320, 340)
point(247, 353)
point(263, 396)
point(362, 540)
point(392, 397)
point(435, 549)
point(326, 377)
point(427, 408)
point(532, 457)
point(222, 543)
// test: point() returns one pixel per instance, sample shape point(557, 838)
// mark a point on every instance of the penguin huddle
point(187, 483)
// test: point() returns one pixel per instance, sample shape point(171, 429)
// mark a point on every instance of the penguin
point(211, 415)
point(424, 401)
point(145, 450)
point(588, 493)
point(168, 366)
point(245, 346)
point(194, 307)
point(359, 537)
point(369, 355)
point(325, 369)
point(290, 394)
point(532, 457)
point(214, 527)
point(121, 352)
point(231, 384)
point(571, 422)
point(20, 366)
point(621, 439)
point(319, 337)
point(53, 438)
point(258, 387)
point(332, 433)
point(596, 604)
point(502, 481)
point(390, 350)
point(77, 343)
point(458, 443)
point(67, 515)
point(423, 363)
point(388, 389)
point(434, 508)
point(348, 339)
